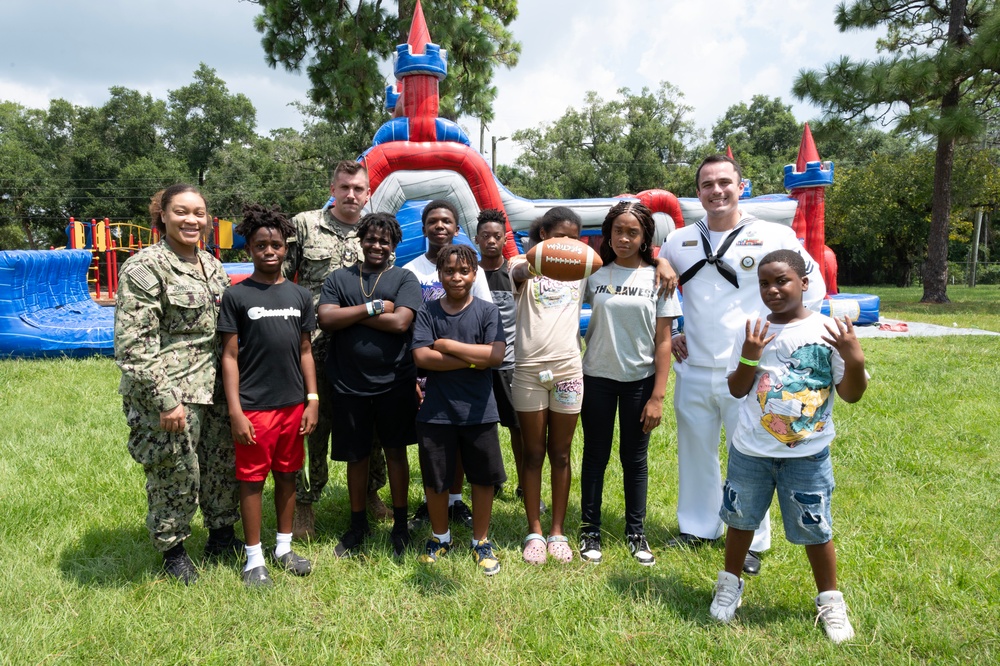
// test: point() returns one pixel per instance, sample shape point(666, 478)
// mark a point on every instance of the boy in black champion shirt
point(270, 382)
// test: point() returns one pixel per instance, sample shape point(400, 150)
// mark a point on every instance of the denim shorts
point(804, 485)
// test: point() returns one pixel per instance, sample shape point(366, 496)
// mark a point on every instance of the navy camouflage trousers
point(185, 470)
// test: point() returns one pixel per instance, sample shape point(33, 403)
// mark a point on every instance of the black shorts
point(480, 448)
point(505, 398)
point(356, 419)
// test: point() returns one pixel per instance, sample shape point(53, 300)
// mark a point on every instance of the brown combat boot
point(377, 507)
point(304, 524)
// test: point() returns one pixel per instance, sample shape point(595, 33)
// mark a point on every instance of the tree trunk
point(936, 266)
point(30, 237)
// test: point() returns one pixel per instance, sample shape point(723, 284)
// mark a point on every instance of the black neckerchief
point(724, 269)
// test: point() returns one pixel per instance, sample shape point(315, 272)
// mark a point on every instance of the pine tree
point(938, 77)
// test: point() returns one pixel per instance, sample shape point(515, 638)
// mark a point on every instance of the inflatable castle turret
point(806, 182)
point(417, 141)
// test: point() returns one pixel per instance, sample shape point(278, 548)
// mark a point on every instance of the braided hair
point(645, 217)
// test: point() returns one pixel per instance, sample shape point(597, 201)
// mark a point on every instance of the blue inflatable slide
point(45, 308)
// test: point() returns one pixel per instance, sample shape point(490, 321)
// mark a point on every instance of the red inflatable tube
point(385, 158)
point(662, 201)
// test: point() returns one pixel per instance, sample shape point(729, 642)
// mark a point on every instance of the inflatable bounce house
point(418, 156)
point(46, 308)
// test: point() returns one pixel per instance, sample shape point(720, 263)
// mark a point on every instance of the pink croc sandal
point(534, 549)
point(559, 548)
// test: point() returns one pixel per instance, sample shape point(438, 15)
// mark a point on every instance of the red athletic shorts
point(279, 444)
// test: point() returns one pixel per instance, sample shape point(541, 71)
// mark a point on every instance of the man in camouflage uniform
point(325, 241)
point(167, 348)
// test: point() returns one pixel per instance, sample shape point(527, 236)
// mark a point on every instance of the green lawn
point(917, 463)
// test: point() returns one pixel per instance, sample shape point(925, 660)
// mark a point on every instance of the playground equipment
point(107, 241)
point(417, 156)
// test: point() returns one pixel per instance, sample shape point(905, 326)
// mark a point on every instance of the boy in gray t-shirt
point(490, 234)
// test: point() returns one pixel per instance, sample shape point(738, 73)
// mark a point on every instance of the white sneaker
point(590, 547)
point(728, 597)
point(832, 610)
point(639, 547)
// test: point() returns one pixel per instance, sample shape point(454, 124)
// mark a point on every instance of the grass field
point(917, 464)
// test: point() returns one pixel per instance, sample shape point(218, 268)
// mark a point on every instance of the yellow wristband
point(472, 366)
point(312, 396)
point(746, 361)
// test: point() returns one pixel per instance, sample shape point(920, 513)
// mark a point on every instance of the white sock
point(443, 538)
point(284, 544)
point(255, 557)
point(475, 541)
point(452, 498)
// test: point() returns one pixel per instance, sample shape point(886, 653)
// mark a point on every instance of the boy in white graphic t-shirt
point(787, 371)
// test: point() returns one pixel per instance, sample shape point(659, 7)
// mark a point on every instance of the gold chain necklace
point(361, 280)
point(612, 290)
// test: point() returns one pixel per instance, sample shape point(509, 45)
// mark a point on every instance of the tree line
point(899, 129)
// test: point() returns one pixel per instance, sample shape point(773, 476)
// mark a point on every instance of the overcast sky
point(717, 53)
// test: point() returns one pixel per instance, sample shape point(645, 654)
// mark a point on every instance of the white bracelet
point(371, 308)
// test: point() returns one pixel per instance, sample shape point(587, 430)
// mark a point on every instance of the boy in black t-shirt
point(457, 339)
point(367, 310)
point(270, 383)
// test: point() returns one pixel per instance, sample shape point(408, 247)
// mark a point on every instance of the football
point(563, 259)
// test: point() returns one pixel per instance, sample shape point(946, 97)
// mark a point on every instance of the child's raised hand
point(756, 340)
point(845, 341)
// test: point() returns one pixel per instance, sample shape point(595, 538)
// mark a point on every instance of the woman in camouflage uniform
point(168, 351)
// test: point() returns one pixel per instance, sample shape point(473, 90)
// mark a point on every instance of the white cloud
point(33, 97)
point(717, 54)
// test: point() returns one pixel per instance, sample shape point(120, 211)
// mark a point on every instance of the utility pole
point(496, 140)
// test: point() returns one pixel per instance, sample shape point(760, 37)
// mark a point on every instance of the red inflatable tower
point(806, 182)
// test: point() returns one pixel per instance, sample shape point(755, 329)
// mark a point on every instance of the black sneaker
point(179, 566)
point(485, 558)
point(590, 547)
point(400, 542)
point(292, 562)
point(223, 544)
point(351, 541)
point(420, 518)
point(639, 547)
point(258, 577)
point(460, 514)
